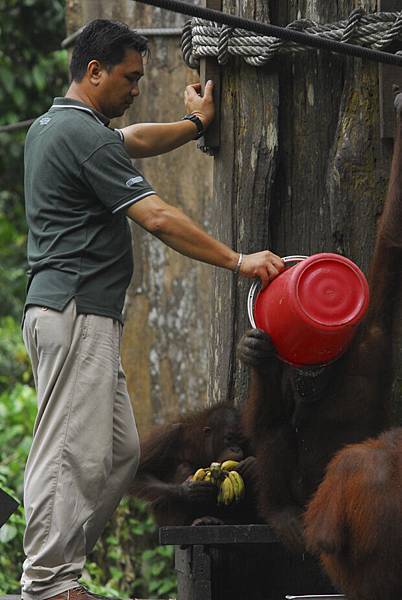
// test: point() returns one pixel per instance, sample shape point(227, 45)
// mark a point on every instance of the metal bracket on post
point(210, 69)
point(8, 505)
point(390, 76)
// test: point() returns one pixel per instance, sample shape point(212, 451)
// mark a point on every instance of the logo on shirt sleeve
point(131, 182)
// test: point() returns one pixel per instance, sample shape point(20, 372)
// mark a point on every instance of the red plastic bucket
point(311, 309)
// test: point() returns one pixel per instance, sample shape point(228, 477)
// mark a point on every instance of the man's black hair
point(105, 41)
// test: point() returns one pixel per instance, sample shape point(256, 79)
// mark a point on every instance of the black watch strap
point(197, 122)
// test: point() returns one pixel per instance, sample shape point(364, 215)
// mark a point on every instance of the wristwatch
point(197, 122)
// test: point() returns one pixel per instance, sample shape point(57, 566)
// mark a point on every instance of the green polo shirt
point(79, 180)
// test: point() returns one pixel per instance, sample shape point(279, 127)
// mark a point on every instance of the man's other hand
point(202, 106)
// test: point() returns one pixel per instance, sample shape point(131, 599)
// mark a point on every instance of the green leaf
point(19, 97)
point(39, 76)
point(7, 533)
point(7, 79)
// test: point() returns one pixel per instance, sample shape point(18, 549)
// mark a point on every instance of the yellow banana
point(208, 475)
point(199, 475)
point(227, 491)
point(228, 465)
point(238, 484)
point(219, 498)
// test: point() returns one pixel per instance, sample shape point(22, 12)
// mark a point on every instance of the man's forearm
point(181, 233)
point(196, 243)
point(150, 139)
point(178, 231)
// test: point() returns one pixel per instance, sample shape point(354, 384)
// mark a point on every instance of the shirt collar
point(63, 102)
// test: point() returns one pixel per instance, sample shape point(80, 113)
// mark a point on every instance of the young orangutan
point(354, 521)
point(171, 453)
point(298, 419)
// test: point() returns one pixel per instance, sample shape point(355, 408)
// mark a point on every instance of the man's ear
point(94, 72)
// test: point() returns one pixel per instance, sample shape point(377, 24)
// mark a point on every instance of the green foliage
point(14, 363)
point(11, 556)
point(17, 413)
point(33, 70)
point(12, 255)
point(32, 66)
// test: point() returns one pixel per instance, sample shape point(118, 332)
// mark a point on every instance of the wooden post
point(210, 69)
point(244, 173)
point(390, 76)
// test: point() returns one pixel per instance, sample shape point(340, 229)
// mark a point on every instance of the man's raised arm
point(150, 139)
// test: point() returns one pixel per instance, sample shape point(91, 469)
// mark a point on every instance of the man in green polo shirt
point(80, 186)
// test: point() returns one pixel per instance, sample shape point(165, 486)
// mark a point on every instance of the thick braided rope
point(205, 38)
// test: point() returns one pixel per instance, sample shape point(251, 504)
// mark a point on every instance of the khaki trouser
point(85, 449)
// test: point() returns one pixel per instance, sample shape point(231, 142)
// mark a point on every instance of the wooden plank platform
point(234, 562)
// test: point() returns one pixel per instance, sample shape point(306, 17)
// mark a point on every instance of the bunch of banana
point(229, 482)
point(231, 488)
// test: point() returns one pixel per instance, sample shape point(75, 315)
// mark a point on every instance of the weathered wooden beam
point(390, 76)
point(210, 70)
point(211, 534)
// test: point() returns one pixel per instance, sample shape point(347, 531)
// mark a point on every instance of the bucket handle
point(256, 286)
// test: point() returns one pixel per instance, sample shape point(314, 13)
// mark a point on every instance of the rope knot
point(391, 34)
point(225, 34)
point(301, 24)
point(352, 25)
point(189, 58)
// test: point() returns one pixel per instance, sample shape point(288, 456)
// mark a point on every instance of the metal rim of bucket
point(256, 286)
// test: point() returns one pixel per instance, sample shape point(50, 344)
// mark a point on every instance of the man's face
point(119, 86)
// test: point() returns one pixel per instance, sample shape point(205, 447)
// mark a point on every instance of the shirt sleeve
point(110, 174)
